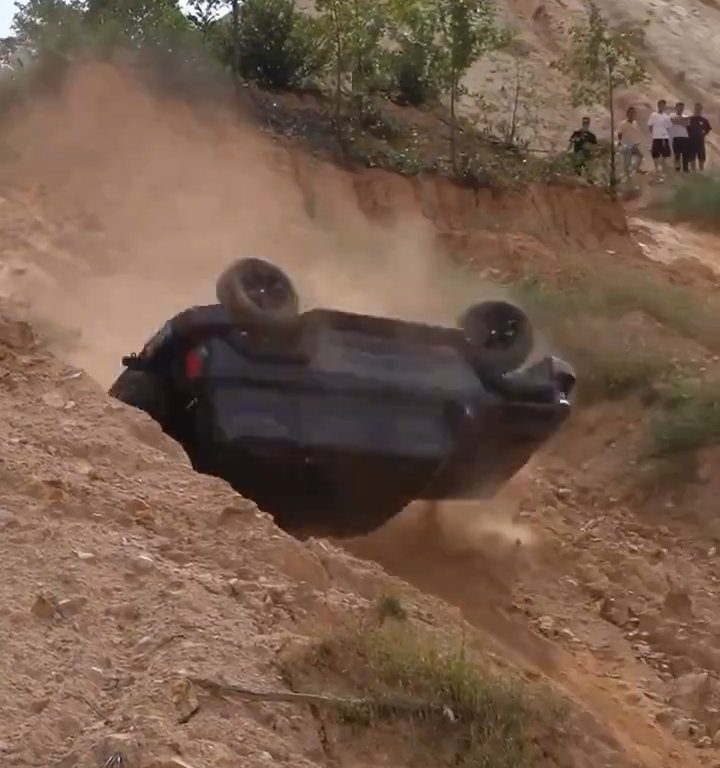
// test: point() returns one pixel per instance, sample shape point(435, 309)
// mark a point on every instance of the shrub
point(280, 46)
point(410, 67)
point(390, 607)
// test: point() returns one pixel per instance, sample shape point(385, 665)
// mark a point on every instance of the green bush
point(58, 31)
point(279, 45)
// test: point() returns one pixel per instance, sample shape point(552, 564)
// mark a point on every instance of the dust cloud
point(141, 198)
point(147, 196)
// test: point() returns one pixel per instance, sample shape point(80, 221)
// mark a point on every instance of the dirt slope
point(123, 573)
point(118, 207)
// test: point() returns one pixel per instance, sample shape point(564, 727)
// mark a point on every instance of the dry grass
point(695, 199)
point(613, 362)
point(689, 419)
point(490, 721)
point(613, 292)
point(627, 331)
point(612, 325)
point(390, 606)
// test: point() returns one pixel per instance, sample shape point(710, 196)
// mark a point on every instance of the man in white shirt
point(630, 138)
point(660, 125)
point(680, 138)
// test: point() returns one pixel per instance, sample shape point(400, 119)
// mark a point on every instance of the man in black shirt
point(580, 141)
point(698, 128)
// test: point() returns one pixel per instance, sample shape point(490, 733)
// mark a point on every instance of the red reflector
point(193, 365)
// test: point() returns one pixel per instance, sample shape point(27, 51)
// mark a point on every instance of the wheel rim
point(503, 335)
point(265, 288)
point(267, 292)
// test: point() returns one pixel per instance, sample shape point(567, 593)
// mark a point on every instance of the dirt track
point(118, 210)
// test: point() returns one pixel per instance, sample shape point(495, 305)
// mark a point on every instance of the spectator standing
point(630, 138)
point(659, 126)
point(680, 138)
point(581, 141)
point(698, 128)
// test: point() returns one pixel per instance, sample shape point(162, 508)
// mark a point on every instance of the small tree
point(414, 62)
point(467, 30)
point(49, 27)
point(520, 106)
point(598, 62)
point(356, 31)
point(235, 61)
point(204, 14)
point(135, 22)
point(278, 45)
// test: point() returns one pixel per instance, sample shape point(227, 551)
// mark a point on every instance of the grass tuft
point(697, 199)
point(390, 607)
point(497, 720)
point(689, 420)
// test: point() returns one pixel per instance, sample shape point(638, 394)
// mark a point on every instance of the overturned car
point(333, 421)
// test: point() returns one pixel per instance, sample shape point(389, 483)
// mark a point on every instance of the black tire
point(143, 391)
point(257, 292)
point(499, 335)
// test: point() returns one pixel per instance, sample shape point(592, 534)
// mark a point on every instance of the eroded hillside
point(127, 576)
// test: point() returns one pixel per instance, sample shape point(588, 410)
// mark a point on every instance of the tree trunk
point(516, 103)
point(358, 72)
point(236, 39)
point(613, 156)
point(338, 77)
point(453, 126)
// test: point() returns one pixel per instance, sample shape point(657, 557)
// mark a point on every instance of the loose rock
point(45, 606)
point(691, 690)
point(142, 564)
point(71, 606)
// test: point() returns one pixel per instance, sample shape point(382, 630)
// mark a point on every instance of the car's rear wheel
point(257, 292)
point(499, 335)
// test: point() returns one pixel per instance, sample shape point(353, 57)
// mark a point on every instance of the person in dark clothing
point(580, 140)
point(698, 128)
